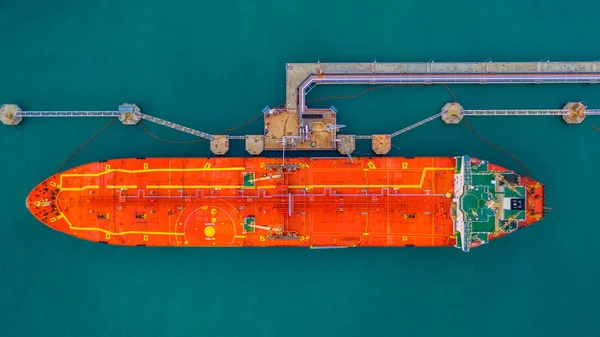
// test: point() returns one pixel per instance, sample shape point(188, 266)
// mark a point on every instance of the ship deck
point(320, 202)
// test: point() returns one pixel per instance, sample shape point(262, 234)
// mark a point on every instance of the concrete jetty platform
point(463, 72)
point(303, 77)
point(255, 144)
point(576, 112)
point(295, 126)
point(315, 130)
point(10, 114)
point(346, 144)
point(219, 144)
point(452, 113)
point(129, 114)
point(381, 144)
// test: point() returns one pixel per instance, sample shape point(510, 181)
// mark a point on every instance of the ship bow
point(42, 202)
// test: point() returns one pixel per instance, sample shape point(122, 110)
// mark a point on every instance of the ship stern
point(536, 203)
point(491, 201)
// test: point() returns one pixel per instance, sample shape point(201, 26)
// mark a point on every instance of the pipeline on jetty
point(317, 129)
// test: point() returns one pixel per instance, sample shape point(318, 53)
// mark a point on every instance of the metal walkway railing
point(556, 112)
point(175, 126)
point(408, 128)
point(68, 114)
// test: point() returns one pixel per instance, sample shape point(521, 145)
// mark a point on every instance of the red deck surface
point(203, 202)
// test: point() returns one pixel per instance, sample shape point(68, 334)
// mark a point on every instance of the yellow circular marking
point(213, 211)
point(262, 165)
point(537, 216)
point(262, 238)
point(302, 238)
point(537, 185)
point(209, 231)
point(213, 220)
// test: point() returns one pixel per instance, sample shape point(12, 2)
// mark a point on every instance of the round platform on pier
point(349, 144)
point(219, 144)
point(576, 113)
point(452, 113)
point(382, 144)
point(9, 114)
point(129, 114)
point(255, 144)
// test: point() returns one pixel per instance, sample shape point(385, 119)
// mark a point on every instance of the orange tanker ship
point(314, 202)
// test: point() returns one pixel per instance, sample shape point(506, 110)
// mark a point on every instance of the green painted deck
point(483, 179)
point(480, 168)
point(248, 179)
point(248, 222)
point(488, 204)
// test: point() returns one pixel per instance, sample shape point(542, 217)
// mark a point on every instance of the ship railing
point(468, 173)
point(467, 236)
point(327, 247)
point(468, 182)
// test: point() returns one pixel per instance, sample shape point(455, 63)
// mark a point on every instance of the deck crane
point(506, 224)
point(509, 185)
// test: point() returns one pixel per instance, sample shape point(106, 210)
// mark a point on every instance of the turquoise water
point(212, 66)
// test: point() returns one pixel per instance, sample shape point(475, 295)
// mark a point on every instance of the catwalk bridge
point(317, 129)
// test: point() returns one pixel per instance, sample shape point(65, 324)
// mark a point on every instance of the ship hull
point(311, 202)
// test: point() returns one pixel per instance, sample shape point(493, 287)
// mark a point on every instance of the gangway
point(175, 126)
point(408, 128)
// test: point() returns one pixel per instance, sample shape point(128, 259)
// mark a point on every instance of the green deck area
point(518, 193)
point(458, 165)
point(248, 222)
point(481, 167)
point(248, 179)
point(473, 204)
point(487, 203)
point(485, 226)
point(483, 179)
point(520, 214)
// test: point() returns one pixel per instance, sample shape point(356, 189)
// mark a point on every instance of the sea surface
point(213, 65)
